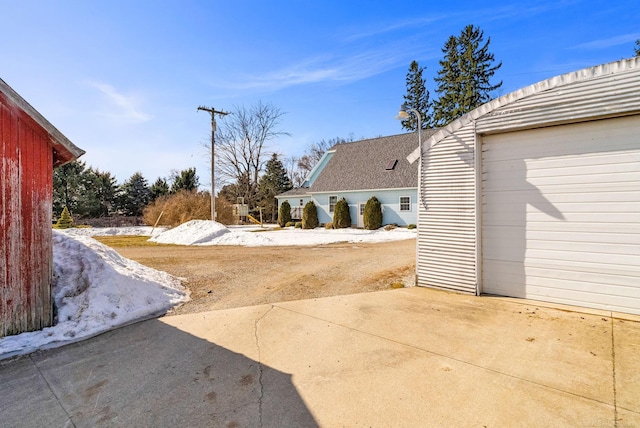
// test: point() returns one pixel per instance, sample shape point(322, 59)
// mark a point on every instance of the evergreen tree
point(273, 182)
point(157, 189)
point(464, 78)
point(341, 215)
point(185, 180)
point(310, 216)
point(417, 97)
point(103, 193)
point(133, 195)
point(372, 215)
point(65, 221)
point(68, 187)
point(284, 214)
point(637, 48)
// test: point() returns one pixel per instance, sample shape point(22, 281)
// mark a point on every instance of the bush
point(284, 214)
point(328, 225)
point(372, 216)
point(341, 215)
point(310, 216)
point(411, 226)
point(390, 226)
point(298, 225)
point(65, 221)
point(289, 224)
point(185, 206)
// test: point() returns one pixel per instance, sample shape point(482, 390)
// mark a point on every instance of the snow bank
point(94, 290)
point(205, 232)
point(113, 231)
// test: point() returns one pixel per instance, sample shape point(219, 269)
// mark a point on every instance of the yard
point(221, 277)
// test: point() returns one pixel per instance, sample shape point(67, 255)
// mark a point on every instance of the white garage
point(537, 194)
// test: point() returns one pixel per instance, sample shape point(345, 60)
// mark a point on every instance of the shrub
point(65, 221)
point(284, 214)
point(372, 216)
point(328, 225)
point(298, 225)
point(341, 215)
point(310, 216)
point(411, 226)
point(184, 206)
point(390, 227)
point(289, 224)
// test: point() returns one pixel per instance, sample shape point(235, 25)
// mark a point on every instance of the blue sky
point(123, 79)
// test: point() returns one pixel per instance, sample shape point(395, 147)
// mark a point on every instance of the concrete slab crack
point(260, 367)
point(69, 419)
point(613, 369)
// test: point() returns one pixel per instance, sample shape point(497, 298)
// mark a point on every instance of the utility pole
point(213, 112)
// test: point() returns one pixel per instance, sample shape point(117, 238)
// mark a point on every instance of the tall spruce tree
point(417, 97)
point(159, 188)
point(273, 182)
point(464, 78)
point(134, 195)
point(187, 179)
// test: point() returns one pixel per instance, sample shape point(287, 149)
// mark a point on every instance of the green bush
point(310, 216)
point(372, 214)
point(298, 225)
point(284, 214)
point(289, 224)
point(65, 221)
point(328, 225)
point(411, 226)
point(341, 216)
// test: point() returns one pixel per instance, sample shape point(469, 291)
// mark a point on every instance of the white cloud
point(120, 107)
point(611, 41)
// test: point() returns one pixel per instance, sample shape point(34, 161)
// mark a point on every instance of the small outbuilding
point(537, 194)
point(30, 147)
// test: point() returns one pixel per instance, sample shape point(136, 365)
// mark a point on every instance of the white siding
point(561, 214)
point(446, 236)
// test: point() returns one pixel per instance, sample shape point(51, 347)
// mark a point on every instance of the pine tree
point(372, 215)
point(159, 188)
point(273, 182)
point(341, 215)
point(187, 179)
point(464, 78)
point(133, 195)
point(310, 216)
point(417, 97)
point(65, 221)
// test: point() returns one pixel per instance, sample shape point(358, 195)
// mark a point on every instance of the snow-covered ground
point(204, 232)
point(95, 289)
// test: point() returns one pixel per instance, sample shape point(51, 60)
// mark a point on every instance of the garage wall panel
point(561, 214)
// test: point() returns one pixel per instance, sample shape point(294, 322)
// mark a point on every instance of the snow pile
point(95, 289)
point(113, 231)
point(205, 232)
point(191, 233)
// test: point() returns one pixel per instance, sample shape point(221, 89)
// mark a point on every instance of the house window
point(405, 203)
point(332, 203)
point(362, 208)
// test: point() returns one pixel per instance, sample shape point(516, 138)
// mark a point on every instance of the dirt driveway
point(222, 277)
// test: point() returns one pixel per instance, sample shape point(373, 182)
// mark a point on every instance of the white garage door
point(561, 214)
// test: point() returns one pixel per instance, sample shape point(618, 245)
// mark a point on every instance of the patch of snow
point(206, 232)
point(94, 290)
point(113, 231)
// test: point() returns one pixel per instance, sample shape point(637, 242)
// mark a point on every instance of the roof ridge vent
point(392, 164)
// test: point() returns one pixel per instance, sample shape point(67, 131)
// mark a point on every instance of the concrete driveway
point(409, 358)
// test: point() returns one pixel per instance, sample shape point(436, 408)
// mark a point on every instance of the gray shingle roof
point(362, 165)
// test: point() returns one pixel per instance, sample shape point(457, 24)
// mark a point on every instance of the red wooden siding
point(26, 170)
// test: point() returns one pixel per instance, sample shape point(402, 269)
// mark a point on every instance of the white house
point(357, 171)
point(537, 194)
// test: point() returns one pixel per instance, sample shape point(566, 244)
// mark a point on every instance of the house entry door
point(361, 206)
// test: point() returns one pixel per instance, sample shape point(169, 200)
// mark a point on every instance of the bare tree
point(241, 141)
point(296, 174)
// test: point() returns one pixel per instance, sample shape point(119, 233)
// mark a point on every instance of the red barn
point(30, 147)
